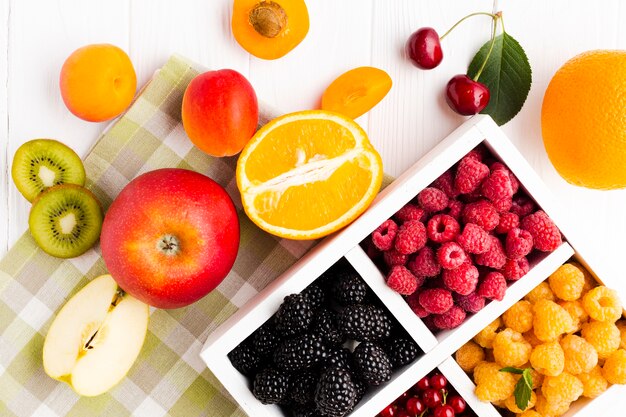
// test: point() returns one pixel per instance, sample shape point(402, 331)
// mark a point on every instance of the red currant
point(466, 96)
point(424, 48)
point(389, 411)
point(423, 384)
point(432, 398)
point(415, 406)
point(438, 381)
point(443, 411)
point(457, 403)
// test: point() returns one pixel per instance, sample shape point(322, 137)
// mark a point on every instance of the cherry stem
point(496, 17)
point(493, 16)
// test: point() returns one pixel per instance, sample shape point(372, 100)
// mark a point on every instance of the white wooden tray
point(438, 349)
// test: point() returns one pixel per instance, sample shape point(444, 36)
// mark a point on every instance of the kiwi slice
point(43, 163)
point(65, 220)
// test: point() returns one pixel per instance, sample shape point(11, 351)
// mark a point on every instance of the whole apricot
point(98, 82)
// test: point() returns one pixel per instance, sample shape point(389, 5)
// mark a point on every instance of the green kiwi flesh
point(43, 163)
point(65, 220)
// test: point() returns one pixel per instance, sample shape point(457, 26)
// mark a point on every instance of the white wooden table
point(37, 35)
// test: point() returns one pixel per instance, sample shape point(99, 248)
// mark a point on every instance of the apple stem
point(169, 245)
point(493, 16)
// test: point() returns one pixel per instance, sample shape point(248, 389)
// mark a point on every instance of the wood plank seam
point(5, 185)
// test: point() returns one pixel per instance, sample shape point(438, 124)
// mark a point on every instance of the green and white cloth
point(169, 378)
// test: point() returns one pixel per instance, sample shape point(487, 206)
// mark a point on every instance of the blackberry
point(303, 387)
point(245, 359)
point(306, 410)
point(349, 288)
point(265, 339)
point(325, 326)
point(371, 363)
point(339, 357)
point(294, 316)
point(400, 351)
point(301, 352)
point(270, 386)
point(364, 323)
point(315, 296)
point(361, 389)
point(335, 395)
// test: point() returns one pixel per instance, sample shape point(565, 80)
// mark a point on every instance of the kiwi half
point(43, 163)
point(65, 220)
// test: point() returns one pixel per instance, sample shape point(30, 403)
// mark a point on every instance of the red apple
point(170, 237)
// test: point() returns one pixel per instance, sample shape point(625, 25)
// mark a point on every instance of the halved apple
point(96, 337)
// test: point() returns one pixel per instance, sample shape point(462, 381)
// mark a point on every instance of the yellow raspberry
point(563, 388)
point(485, 337)
point(529, 413)
point(567, 282)
point(621, 325)
point(540, 292)
point(550, 321)
point(548, 409)
point(603, 304)
point(532, 338)
point(511, 349)
point(519, 317)
point(499, 404)
point(548, 359)
point(590, 281)
point(469, 355)
point(493, 385)
point(510, 403)
point(604, 336)
point(594, 383)
point(536, 377)
point(577, 313)
point(614, 369)
point(580, 355)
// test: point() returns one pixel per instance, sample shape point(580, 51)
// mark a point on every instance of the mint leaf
point(523, 388)
point(512, 370)
point(507, 74)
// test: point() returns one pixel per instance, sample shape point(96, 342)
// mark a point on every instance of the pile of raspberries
point(457, 244)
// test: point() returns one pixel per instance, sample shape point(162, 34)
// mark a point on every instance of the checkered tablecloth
point(169, 378)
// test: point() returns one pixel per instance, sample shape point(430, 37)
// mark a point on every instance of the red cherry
point(423, 384)
point(438, 381)
point(415, 406)
point(401, 400)
point(443, 411)
point(432, 398)
point(424, 48)
point(466, 96)
point(389, 411)
point(457, 403)
point(402, 413)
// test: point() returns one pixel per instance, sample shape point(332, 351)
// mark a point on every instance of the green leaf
point(523, 390)
point(512, 370)
point(507, 74)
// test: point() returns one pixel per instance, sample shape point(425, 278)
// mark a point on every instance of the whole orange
point(583, 120)
point(98, 82)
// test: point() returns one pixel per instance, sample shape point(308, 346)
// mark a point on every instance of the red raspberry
point(384, 235)
point(482, 213)
point(411, 237)
point(493, 286)
point(462, 280)
point(503, 205)
point(402, 281)
point(436, 300)
point(393, 258)
point(522, 205)
point(471, 303)
point(451, 255)
point(498, 186)
point(474, 239)
point(451, 319)
point(494, 257)
point(413, 301)
point(372, 251)
point(446, 184)
point(442, 228)
point(410, 212)
point(477, 154)
point(514, 269)
point(518, 243)
point(546, 236)
point(507, 222)
point(432, 199)
point(429, 322)
point(470, 174)
point(455, 209)
point(512, 177)
point(425, 263)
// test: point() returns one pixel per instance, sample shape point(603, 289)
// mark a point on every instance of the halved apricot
point(269, 29)
point(355, 92)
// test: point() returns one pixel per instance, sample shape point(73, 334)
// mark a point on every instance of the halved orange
point(307, 174)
